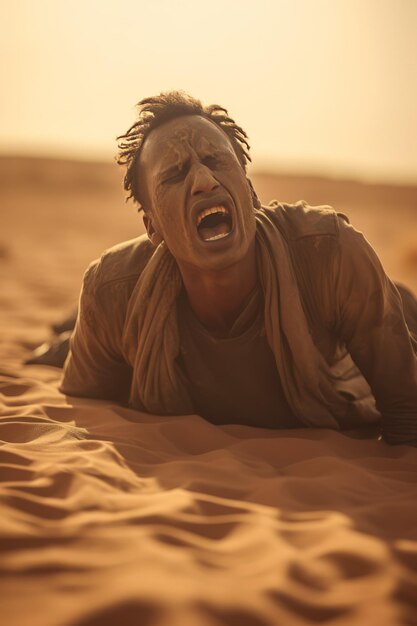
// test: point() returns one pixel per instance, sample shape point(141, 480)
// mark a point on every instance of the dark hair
point(155, 111)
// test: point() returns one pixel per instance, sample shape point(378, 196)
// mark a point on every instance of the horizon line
point(264, 166)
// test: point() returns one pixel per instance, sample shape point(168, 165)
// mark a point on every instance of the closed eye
point(176, 176)
point(210, 162)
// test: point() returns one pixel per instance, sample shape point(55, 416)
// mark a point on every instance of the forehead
point(176, 138)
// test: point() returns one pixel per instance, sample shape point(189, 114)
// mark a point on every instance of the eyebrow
point(217, 153)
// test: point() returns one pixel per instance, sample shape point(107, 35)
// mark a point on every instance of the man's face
point(196, 193)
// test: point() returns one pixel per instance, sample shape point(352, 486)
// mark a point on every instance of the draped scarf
point(151, 342)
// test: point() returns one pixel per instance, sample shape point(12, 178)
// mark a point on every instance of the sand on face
point(111, 516)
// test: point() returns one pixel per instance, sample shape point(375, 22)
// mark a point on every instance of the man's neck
point(217, 296)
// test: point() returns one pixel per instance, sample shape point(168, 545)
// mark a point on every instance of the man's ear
point(256, 202)
point(153, 234)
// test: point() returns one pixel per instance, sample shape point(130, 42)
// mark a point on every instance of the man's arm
point(371, 323)
point(95, 367)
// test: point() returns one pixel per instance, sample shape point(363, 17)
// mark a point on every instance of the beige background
point(321, 86)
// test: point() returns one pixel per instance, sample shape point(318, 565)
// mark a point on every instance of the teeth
point(214, 209)
point(217, 237)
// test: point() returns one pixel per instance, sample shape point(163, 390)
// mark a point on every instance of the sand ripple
point(111, 516)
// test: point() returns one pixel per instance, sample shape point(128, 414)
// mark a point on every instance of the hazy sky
point(319, 85)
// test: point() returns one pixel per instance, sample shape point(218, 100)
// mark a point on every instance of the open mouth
point(214, 223)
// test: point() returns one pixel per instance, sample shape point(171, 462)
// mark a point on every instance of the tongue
point(220, 229)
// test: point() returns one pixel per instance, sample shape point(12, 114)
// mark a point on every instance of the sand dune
point(110, 516)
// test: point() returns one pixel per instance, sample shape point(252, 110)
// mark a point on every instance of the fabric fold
point(151, 341)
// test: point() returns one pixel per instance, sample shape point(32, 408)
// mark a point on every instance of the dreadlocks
point(155, 111)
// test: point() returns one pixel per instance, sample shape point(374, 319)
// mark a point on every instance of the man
point(277, 316)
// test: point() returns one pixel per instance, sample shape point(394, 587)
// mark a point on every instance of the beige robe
point(327, 300)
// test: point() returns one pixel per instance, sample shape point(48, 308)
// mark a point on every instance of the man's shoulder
point(120, 264)
point(300, 220)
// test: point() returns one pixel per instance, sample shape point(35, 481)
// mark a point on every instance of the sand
point(109, 516)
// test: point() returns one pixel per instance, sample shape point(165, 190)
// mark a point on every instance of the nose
point(203, 180)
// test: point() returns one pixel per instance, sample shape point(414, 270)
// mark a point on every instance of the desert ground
point(110, 516)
